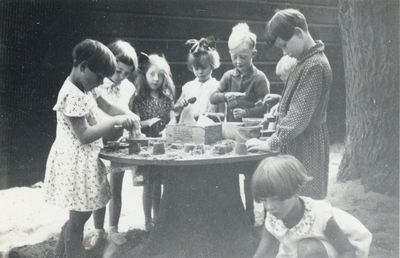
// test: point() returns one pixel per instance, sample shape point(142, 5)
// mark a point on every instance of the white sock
point(99, 232)
point(113, 229)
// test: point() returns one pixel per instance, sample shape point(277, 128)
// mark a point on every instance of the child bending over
point(302, 226)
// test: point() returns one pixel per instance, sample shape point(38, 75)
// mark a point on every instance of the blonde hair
point(282, 176)
point(241, 35)
point(285, 65)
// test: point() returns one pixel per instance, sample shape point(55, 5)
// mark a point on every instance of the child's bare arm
point(87, 134)
point(339, 240)
point(266, 248)
point(149, 122)
point(172, 119)
point(114, 110)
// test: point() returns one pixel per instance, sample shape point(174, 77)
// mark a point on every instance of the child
point(246, 82)
point(153, 102)
point(303, 227)
point(115, 89)
point(301, 128)
point(75, 177)
point(283, 68)
point(203, 58)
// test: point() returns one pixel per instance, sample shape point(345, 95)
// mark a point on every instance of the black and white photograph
point(199, 128)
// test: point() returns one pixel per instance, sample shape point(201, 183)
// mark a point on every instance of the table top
point(165, 160)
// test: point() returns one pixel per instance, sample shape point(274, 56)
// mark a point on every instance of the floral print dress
point(75, 177)
point(301, 128)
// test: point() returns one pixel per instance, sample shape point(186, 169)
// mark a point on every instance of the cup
point(158, 148)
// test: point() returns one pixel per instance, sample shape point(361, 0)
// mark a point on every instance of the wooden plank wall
point(38, 36)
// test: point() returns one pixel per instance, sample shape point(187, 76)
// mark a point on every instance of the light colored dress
point(202, 92)
point(117, 94)
point(316, 215)
point(75, 178)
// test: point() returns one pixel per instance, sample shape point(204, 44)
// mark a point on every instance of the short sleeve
point(97, 92)
point(74, 105)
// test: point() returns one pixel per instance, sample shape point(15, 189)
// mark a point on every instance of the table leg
point(202, 214)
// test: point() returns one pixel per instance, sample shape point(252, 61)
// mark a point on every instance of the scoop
point(192, 100)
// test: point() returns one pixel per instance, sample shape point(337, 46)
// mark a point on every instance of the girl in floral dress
point(153, 102)
point(299, 225)
point(301, 128)
point(75, 177)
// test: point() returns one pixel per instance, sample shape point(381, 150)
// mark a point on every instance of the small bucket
point(246, 133)
point(228, 129)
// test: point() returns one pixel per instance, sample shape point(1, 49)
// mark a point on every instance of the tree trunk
point(370, 31)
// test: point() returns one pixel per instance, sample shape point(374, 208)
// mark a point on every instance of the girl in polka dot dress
point(153, 102)
point(75, 178)
point(301, 128)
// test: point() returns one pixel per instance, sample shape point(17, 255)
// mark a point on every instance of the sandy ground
point(26, 221)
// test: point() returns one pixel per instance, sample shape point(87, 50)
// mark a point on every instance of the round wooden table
point(201, 213)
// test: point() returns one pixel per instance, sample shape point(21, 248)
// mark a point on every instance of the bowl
point(246, 133)
point(228, 129)
point(254, 121)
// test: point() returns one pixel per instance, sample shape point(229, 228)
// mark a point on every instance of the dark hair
point(282, 25)
point(281, 176)
point(124, 52)
point(98, 57)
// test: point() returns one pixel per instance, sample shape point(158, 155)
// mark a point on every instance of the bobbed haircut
point(167, 88)
point(203, 57)
point(124, 52)
point(98, 57)
point(281, 176)
point(283, 23)
point(241, 35)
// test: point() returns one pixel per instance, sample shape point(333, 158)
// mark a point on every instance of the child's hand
point(239, 113)
point(182, 103)
point(230, 95)
point(153, 120)
point(125, 120)
point(257, 145)
point(136, 120)
point(271, 98)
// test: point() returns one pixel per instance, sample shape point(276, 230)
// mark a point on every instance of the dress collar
point(319, 47)
point(302, 228)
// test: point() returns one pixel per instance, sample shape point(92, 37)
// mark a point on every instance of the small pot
point(158, 148)
point(134, 147)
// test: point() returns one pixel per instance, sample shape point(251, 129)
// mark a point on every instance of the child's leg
point(115, 208)
point(116, 200)
point(156, 198)
point(249, 197)
point(74, 233)
point(311, 248)
point(98, 218)
point(59, 252)
point(147, 203)
point(98, 237)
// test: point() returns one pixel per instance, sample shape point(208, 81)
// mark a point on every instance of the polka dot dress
point(301, 129)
